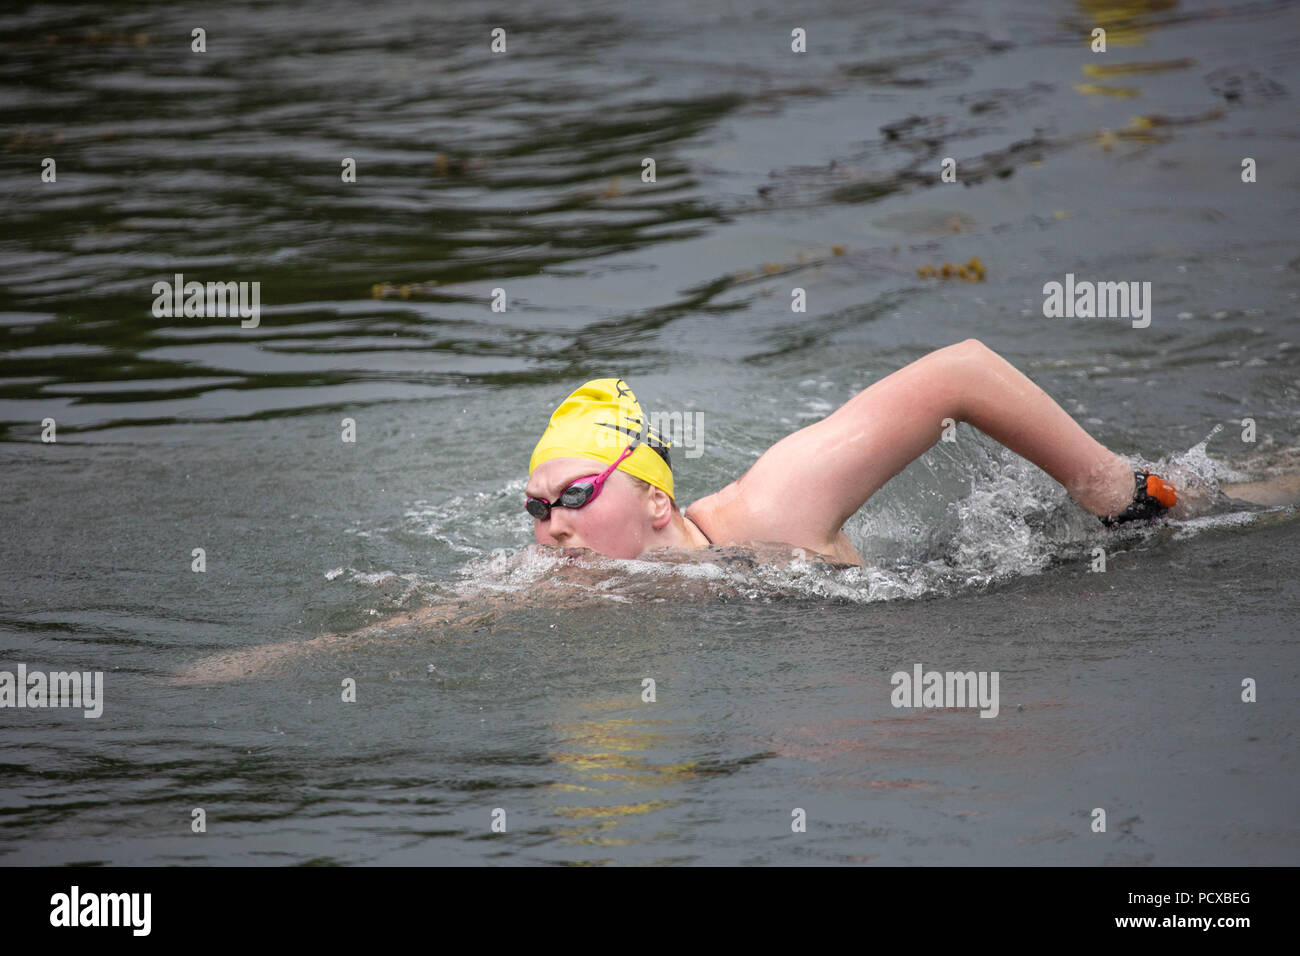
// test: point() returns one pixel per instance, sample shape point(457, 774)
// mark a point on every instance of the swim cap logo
point(643, 433)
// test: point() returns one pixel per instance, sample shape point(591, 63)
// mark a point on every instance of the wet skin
point(802, 490)
point(626, 519)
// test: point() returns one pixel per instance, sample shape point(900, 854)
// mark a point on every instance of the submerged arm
point(255, 661)
point(564, 586)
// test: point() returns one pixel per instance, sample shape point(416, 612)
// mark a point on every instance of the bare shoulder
point(727, 517)
point(717, 515)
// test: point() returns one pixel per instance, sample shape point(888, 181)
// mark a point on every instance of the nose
point(560, 527)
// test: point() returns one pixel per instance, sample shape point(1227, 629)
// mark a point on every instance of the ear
point(661, 508)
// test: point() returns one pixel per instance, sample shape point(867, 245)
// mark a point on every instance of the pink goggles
point(579, 493)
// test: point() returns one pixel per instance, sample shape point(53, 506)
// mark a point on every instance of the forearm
point(989, 393)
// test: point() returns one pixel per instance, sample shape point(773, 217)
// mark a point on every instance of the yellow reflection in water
point(607, 758)
point(1121, 69)
point(1122, 19)
point(623, 810)
point(1122, 22)
point(1096, 89)
point(621, 768)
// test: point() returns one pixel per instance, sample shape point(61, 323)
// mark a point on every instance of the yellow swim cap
point(598, 421)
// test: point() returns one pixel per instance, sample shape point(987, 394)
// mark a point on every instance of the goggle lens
point(574, 496)
point(577, 495)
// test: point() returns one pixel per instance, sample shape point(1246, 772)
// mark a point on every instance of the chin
point(622, 552)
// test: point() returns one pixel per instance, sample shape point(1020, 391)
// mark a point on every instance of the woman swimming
point(589, 486)
point(601, 479)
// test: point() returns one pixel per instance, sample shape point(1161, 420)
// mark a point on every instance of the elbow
point(967, 363)
point(971, 349)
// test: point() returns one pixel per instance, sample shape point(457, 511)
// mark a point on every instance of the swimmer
point(599, 478)
point(616, 497)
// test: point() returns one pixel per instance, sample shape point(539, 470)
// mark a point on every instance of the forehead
point(550, 475)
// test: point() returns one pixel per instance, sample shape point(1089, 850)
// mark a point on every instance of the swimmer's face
point(617, 523)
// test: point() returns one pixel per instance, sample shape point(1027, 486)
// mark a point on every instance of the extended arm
point(803, 488)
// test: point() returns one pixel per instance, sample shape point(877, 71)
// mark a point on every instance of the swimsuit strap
point(697, 527)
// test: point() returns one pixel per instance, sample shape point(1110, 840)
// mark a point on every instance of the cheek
point(620, 528)
point(611, 525)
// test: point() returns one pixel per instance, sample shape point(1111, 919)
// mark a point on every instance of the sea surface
point(521, 697)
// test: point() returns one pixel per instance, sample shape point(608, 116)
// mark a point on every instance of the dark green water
point(522, 172)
